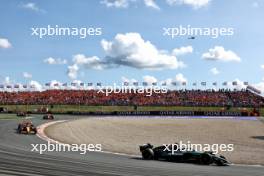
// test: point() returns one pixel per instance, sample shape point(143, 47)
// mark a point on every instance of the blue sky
point(27, 54)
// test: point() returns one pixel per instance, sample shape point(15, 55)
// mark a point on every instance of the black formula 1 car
point(48, 117)
point(26, 127)
point(182, 156)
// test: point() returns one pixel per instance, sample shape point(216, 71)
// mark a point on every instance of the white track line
point(41, 134)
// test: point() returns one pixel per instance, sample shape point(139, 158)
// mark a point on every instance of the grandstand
point(195, 98)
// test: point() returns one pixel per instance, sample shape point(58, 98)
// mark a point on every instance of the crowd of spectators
point(242, 98)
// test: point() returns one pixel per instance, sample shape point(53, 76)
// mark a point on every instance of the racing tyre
point(206, 159)
point(220, 163)
point(148, 154)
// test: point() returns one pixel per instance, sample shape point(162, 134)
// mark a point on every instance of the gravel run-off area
point(124, 135)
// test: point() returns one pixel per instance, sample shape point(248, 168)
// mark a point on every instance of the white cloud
point(214, 71)
point(115, 3)
point(4, 43)
point(262, 66)
point(131, 50)
point(149, 79)
point(126, 3)
point(219, 53)
point(180, 78)
point(125, 50)
point(88, 62)
point(182, 50)
point(27, 75)
point(193, 3)
point(73, 71)
point(54, 86)
point(80, 60)
point(196, 4)
point(152, 4)
point(54, 61)
point(125, 79)
point(77, 81)
point(33, 7)
point(7, 80)
point(36, 84)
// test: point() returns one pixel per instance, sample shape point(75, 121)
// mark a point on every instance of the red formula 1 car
point(26, 127)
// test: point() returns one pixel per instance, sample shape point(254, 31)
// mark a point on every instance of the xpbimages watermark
point(56, 30)
point(57, 147)
point(213, 32)
point(149, 91)
point(184, 147)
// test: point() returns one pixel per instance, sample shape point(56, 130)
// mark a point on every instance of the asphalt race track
point(16, 158)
